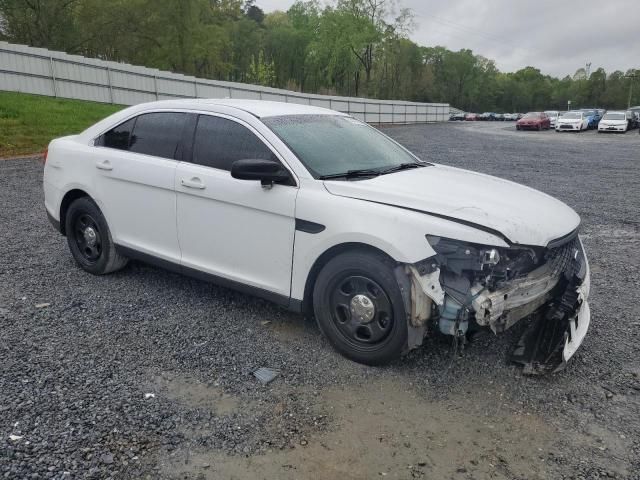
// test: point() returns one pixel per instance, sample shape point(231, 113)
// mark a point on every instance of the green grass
point(29, 122)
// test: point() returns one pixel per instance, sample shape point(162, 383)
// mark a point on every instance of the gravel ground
point(147, 374)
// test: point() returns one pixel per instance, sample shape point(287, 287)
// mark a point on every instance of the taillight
point(44, 155)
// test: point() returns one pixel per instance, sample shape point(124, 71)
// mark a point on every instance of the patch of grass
point(29, 122)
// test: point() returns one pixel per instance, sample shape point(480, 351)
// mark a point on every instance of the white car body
point(608, 124)
point(553, 117)
point(572, 124)
point(268, 240)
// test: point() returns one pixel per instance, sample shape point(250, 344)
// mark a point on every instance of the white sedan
point(615, 122)
point(325, 215)
point(575, 121)
point(553, 117)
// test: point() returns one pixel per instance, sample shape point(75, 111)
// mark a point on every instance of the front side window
point(219, 142)
point(334, 144)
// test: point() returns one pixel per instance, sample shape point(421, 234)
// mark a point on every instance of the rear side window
point(118, 137)
point(158, 134)
point(220, 142)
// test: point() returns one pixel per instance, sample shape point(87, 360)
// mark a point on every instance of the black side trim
point(477, 226)
point(309, 227)
point(564, 239)
point(282, 300)
point(54, 222)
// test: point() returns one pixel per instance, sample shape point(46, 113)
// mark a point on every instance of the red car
point(471, 117)
point(534, 121)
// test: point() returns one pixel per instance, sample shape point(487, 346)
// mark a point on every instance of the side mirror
point(267, 171)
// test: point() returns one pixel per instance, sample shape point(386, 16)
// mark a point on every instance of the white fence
point(45, 72)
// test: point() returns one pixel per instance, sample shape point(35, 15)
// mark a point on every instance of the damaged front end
point(467, 287)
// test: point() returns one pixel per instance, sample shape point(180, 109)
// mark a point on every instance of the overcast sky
point(556, 36)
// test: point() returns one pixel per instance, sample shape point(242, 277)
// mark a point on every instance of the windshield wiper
point(404, 166)
point(364, 172)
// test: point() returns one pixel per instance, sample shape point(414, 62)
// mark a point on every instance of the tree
point(349, 47)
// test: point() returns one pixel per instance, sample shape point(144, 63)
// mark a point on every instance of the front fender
point(398, 232)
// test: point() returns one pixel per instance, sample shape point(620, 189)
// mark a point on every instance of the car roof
point(258, 108)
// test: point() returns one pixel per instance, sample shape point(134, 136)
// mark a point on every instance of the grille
point(566, 126)
point(564, 259)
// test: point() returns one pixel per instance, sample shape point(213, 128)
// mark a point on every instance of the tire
point(90, 240)
point(380, 334)
point(539, 127)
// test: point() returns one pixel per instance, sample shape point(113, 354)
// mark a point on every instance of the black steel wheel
point(359, 307)
point(89, 238)
point(86, 234)
point(361, 310)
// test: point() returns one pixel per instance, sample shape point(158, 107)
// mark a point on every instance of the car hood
point(613, 122)
point(521, 214)
point(570, 120)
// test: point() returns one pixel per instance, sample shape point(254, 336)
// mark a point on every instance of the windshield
point(614, 116)
point(551, 113)
point(532, 115)
point(572, 115)
point(333, 144)
point(589, 113)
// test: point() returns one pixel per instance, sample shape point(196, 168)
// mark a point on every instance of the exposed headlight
point(458, 256)
point(464, 256)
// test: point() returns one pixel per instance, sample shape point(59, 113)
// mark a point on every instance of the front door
point(234, 229)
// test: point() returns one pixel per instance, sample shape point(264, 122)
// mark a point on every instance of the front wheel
point(90, 240)
point(359, 307)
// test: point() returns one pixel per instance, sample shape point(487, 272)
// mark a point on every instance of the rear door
point(135, 175)
point(234, 229)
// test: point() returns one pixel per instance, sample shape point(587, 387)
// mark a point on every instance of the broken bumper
point(579, 323)
point(558, 329)
point(553, 296)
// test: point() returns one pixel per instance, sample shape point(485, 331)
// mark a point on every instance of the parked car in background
point(593, 117)
point(553, 117)
point(471, 117)
point(534, 121)
point(377, 244)
point(519, 116)
point(511, 117)
point(574, 121)
point(498, 117)
point(485, 116)
point(456, 116)
point(616, 121)
point(636, 113)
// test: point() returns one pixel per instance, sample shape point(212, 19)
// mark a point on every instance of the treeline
point(351, 47)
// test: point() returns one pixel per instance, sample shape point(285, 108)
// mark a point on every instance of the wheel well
point(67, 200)
point(322, 260)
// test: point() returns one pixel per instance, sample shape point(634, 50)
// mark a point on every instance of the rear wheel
point(90, 240)
point(359, 307)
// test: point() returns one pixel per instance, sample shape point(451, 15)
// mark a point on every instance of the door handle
point(194, 182)
point(104, 165)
